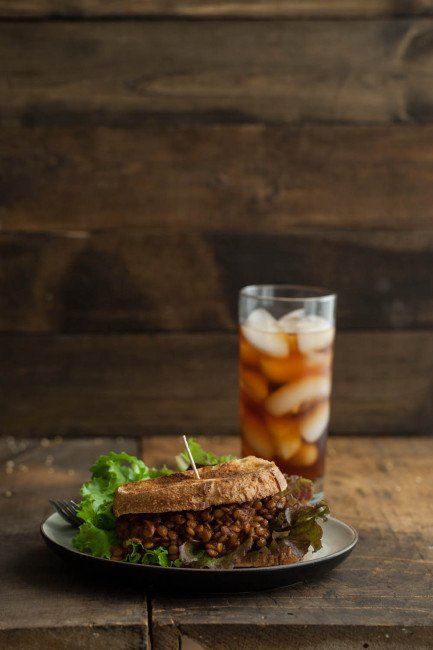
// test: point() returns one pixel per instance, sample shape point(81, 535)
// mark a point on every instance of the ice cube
point(254, 384)
point(313, 423)
point(282, 370)
point(256, 436)
point(296, 366)
point(290, 397)
point(264, 333)
point(305, 456)
point(285, 434)
point(290, 321)
point(314, 332)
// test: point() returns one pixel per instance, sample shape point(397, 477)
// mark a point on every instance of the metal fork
point(68, 510)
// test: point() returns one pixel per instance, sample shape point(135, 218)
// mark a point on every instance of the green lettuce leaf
point(95, 541)
point(96, 534)
point(157, 556)
point(305, 529)
point(135, 553)
point(201, 457)
point(110, 471)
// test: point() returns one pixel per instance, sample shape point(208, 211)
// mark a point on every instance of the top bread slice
point(237, 481)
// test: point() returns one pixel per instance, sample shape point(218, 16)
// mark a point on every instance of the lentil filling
point(218, 529)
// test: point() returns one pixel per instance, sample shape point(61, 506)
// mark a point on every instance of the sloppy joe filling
point(217, 529)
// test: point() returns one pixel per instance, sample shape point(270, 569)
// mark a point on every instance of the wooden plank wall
point(155, 157)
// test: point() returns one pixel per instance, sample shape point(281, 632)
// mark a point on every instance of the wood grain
point(135, 72)
point(119, 385)
point(212, 9)
point(173, 383)
point(42, 468)
point(104, 282)
point(380, 597)
point(217, 177)
point(44, 602)
point(158, 280)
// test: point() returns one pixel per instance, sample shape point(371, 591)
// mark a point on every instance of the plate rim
point(73, 551)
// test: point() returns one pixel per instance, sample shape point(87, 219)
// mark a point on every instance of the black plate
point(339, 539)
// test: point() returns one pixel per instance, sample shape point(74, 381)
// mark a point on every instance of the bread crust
point(236, 481)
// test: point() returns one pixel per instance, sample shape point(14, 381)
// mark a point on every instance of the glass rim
point(320, 293)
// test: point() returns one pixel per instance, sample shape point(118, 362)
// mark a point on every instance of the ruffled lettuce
point(97, 535)
point(299, 523)
point(304, 529)
point(201, 457)
point(94, 540)
point(137, 554)
point(299, 490)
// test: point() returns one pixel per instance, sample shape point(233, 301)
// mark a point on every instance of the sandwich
point(239, 513)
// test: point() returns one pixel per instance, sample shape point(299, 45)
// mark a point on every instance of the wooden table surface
point(381, 597)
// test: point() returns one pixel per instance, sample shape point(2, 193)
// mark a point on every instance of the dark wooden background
point(155, 156)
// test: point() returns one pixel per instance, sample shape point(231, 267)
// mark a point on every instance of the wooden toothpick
point(191, 459)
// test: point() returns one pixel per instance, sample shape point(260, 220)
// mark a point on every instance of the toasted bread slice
point(237, 481)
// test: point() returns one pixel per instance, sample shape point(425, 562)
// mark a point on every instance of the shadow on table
point(41, 570)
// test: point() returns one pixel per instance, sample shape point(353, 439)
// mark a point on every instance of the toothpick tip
point(191, 459)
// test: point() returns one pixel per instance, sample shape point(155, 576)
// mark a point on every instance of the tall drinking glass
point(286, 350)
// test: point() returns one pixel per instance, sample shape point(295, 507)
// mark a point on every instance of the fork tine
point(66, 512)
point(57, 507)
point(66, 506)
point(62, 512)
point(70, 510)
point(73, 508)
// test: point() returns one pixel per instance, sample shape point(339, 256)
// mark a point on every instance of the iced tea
point(285, 388)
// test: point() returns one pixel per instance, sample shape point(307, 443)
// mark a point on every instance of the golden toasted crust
point(237, 481)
